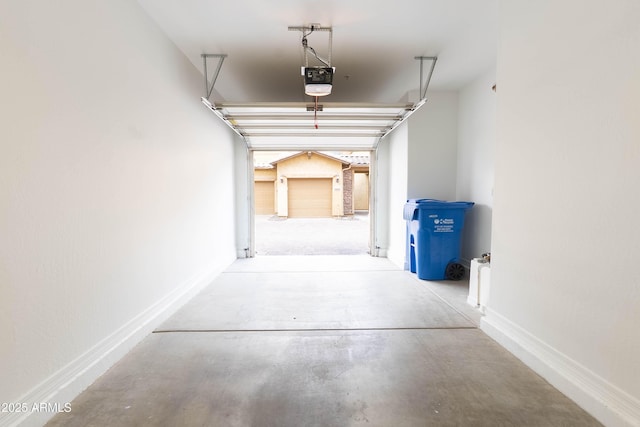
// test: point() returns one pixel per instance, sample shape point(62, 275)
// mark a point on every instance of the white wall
point(112, 175)
point(475, 164)
point(565, 290)
point(432, 154)
point(243, 167)
point(421, 157)
point(396, 146)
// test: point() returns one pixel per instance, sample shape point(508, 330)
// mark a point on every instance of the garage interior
point(130, 290)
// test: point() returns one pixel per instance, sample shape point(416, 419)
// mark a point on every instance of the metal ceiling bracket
point(423, 96)
point(425, 85)
point(307, 30)
point(208, 89)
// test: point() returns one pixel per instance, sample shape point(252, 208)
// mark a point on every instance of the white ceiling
point(375, 43)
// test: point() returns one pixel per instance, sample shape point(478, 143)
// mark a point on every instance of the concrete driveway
point(312, 236)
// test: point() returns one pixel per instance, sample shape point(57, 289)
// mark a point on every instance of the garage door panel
point(264, 193)
point(310, 197)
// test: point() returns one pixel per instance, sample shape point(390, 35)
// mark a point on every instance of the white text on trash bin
point(443, 225)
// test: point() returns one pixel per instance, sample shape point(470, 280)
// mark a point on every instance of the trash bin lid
point(441, 204)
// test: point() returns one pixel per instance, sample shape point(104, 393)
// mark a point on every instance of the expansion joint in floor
point(166, 331)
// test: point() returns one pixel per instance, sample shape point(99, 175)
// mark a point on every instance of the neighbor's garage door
point(309, 197)
point(264, 192)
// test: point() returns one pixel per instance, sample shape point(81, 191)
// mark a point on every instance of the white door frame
point(374, 248)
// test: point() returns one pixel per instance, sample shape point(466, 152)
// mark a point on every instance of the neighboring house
point(360, 170)
point(312, 184)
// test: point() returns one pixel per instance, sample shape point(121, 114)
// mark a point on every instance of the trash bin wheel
point(454, 271)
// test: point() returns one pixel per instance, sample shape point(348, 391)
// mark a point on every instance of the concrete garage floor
point(320, 341)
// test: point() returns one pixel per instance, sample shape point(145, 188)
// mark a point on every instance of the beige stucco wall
point(361, 191)
point(264, 175)
point(313, 166)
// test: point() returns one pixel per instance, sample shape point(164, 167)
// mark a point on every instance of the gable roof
point(300, 153)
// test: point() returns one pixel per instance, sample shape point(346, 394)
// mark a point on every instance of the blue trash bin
point(434, 232)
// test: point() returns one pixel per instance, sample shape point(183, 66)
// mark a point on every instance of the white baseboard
point(604, 401)
point(65, 384)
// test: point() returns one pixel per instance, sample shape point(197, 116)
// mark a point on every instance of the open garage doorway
point(311, 202)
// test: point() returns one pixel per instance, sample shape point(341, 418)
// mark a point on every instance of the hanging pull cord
point(315, 114)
